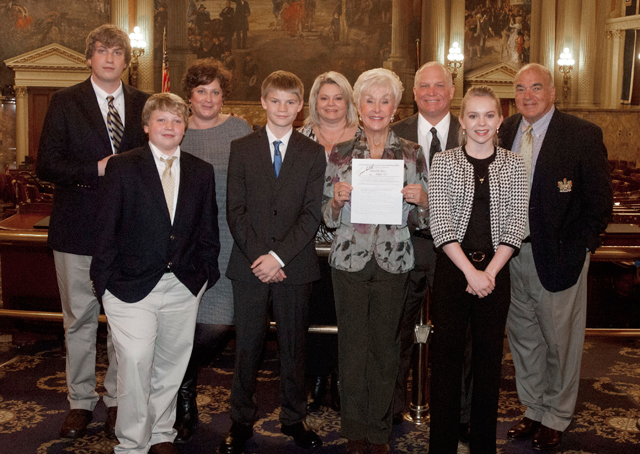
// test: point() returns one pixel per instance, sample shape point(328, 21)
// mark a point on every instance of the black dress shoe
point(164, 448)
point(110, 423)
point(524, 430)
point(357, 446)
point(335, 391)
point(237, 437)
point(464, 433)
point(546, 438)
point(302, 435)
point(75, 424)
point(318, 393)
point(379, 448)
point(187, 407)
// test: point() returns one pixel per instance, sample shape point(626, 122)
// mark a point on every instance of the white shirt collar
point(157, 154)
point(284, 139)
point(102, 95)
point(442, 127)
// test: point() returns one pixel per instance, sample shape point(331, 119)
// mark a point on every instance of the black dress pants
point(290, 309)
point(452, 311)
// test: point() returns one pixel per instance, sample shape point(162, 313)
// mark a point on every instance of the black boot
point(187, 408)
point(318, 393)
point(335, 390)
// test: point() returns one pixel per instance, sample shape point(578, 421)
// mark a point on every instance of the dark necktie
point(114, 123)
point(277, 157)
point(435, 145)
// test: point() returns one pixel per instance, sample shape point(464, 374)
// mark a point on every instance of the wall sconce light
point(137, 50)
point(565, 65)
point(454, 59)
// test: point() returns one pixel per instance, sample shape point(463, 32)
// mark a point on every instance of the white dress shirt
point(425, 137)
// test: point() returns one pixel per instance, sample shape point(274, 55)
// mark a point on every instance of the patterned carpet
point(33, 406)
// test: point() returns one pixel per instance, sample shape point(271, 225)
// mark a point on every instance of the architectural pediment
point(499, 76)
point(52, 57)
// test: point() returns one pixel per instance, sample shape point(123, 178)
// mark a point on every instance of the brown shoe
point(383, 448)
point(524, 430)
point(110, 423)
point(164, 448)
point(546, 438)
point(357, 446)
point(75, 424)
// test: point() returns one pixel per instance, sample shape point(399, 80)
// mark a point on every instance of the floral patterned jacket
point(355, 244)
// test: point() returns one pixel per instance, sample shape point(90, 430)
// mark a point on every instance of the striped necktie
point(114, 123)
point(168, 183)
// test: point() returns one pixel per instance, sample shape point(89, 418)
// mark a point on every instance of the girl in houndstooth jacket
point(478, 209)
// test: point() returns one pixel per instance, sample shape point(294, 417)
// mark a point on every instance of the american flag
point(166, 82)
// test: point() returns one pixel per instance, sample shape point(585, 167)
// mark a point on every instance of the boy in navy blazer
point(155, 255)
point(274, 192)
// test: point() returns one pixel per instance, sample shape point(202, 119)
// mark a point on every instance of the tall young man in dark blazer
point(82, 131)
point(156, 253)
point(569, 206)
point(274, 193)
point(435, 129)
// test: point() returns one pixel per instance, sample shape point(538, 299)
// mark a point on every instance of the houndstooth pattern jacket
point(451, 191)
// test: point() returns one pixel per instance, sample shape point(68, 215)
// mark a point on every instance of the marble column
point(457, 35)
point(434, 31)
point(399, 36)
point(587, 57)
point(177, 48)
point(546, 42)
point(569, 37)
point(120, 14)
point(145, 22)
point(614, 59)
point(22, 124)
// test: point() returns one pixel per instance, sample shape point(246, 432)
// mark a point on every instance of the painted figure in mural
point(515, 26)
point(227, 15)
point(293, 16)
point(242, 23)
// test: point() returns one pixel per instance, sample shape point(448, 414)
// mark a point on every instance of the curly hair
point(205, 71)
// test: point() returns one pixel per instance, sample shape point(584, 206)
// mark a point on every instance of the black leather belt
point(424, 234)
point(478, 257)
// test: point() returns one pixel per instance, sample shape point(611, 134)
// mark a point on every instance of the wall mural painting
point(27, 25)
point(307, 37)
point(497, 31)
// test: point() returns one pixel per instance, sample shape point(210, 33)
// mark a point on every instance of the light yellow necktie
point(526, 151)
point(168, 183)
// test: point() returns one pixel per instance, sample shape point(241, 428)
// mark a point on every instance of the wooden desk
point(28, 271)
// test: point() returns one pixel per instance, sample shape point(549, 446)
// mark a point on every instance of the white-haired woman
point(333, 118)
point(370, 264)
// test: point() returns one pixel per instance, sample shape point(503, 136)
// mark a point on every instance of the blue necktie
point(277, 157)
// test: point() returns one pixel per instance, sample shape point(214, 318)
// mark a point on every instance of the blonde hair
point(283, 81)
point(346, 91)
point(378, 77)
point(480, 91)
point(167, 102)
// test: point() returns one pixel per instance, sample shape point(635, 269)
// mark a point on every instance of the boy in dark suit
point(86, 124)
point(155, 255)
point(274, 192)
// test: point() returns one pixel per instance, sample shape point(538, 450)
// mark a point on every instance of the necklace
point(481, 179)
point(328, 141)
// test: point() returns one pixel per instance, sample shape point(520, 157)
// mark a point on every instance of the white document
point(376, 196)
